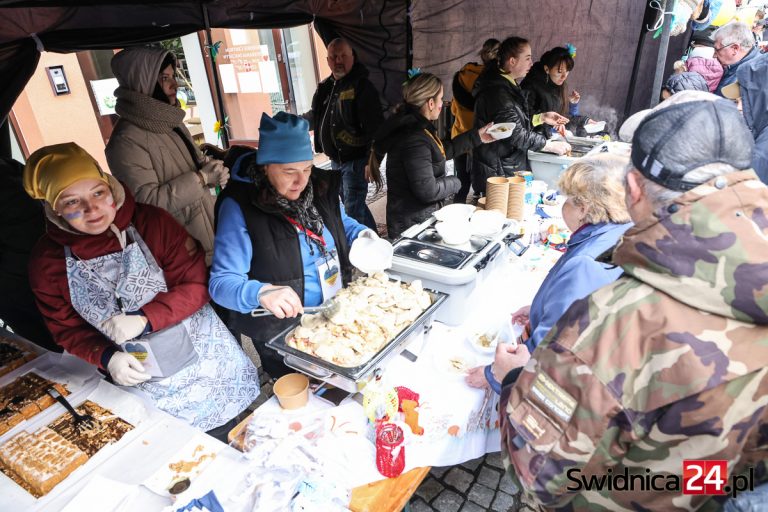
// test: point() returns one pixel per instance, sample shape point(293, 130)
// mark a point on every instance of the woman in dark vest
point(282, 237)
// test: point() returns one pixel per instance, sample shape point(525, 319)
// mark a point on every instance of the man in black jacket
point(345, 114)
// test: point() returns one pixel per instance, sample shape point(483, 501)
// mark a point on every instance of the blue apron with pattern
point(207, 393)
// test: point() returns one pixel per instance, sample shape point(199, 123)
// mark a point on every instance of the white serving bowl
point(486, 222)
point(455, 232)
point(371, 255)
point(454, 212)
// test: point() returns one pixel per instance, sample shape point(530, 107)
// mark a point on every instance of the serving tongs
point(327, 308)
point(81, 421)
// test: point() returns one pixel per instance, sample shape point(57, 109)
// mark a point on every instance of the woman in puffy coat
point(548, 90)
point(416, 180)
point(151, 150)
point(119, 282)
point(499, 99)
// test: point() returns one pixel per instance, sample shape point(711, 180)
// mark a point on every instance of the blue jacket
point(754, 96)
point(574, 276)
point(729, 72)
point(229, 285)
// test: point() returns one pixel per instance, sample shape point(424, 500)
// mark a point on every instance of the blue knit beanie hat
point(283, 139)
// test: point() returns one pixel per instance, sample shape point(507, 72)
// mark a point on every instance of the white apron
point(212, 390)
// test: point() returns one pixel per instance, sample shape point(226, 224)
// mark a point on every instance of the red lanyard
point(311, 234)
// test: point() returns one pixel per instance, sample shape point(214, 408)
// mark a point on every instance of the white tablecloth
point(445, 402)
point(460, 423)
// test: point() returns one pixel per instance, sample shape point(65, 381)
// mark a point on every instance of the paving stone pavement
point(475, 486)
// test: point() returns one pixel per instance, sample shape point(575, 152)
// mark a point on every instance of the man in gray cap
point(670, 362)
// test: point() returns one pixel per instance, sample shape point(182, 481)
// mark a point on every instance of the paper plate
point(501, 130)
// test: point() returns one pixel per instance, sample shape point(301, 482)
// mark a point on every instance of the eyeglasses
point(718, 50)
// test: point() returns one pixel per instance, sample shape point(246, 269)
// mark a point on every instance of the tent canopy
point(443, 36)
point(375, 29)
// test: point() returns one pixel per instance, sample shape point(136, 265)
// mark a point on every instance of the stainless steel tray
point(351, 378)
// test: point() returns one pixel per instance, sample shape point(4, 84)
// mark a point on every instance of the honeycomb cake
point(24, 398)
point(41, 460)
point(107, 428)
point(12, 355)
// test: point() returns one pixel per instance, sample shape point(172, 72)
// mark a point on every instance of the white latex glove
point(368, 233)
point(121, 328)
point(281, 301)
point(223, 176)
point(557, 147)
point(212, 171)
point(126, 370)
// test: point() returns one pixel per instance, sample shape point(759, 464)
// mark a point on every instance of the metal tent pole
point(669, 7)
point(216, 85)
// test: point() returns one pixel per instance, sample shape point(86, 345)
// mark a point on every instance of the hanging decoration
point(213, 50)
point(412, 73)
point(219, 127)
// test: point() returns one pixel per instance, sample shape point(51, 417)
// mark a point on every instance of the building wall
point(46, 119)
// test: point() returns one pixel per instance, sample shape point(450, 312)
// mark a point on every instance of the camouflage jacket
point(668, 363)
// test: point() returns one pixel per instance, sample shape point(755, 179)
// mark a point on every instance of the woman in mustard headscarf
point(120, 282)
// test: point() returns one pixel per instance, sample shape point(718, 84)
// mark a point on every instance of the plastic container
point(292, 391)
point(548, 167)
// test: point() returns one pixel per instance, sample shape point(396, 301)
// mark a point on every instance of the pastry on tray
point(106, 428)
point(12, 355)
point(39, 461)
point(366, 315)
point(25, 397)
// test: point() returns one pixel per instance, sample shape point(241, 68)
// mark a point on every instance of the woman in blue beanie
point(282, 237)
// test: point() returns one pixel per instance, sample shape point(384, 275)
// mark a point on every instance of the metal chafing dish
point(353, 379)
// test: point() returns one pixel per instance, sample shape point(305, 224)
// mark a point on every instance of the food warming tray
point(353, 379)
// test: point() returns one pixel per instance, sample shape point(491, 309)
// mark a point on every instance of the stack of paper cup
point(516, 199)
point(481, 203)
point(497, 194)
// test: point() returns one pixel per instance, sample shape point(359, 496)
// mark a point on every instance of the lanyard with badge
point(328, 266)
